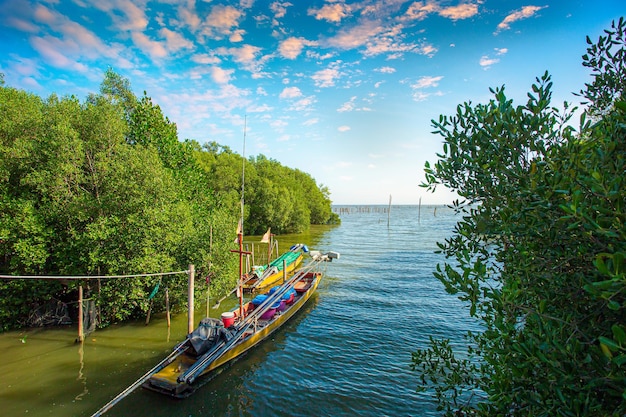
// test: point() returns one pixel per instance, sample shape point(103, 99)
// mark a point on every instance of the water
point(346, 353)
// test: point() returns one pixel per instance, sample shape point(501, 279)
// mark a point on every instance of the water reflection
point(230, 392)
point(81, 376)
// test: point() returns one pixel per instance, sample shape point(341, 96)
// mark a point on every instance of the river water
point(347, 353)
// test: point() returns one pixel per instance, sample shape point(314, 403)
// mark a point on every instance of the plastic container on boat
point(289, 296)
point(270, 313)
point(283, 305)
point(259, 299)
point(228, 318)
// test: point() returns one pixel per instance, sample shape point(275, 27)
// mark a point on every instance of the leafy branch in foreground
point(539, 254)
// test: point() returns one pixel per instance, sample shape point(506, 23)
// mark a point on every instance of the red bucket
point(228, 318)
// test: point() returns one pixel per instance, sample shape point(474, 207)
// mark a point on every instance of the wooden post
point(149, 312)
point(284, 271)
point(248, 267)
point(419, 211)
point(389, 211)
point(167, 306)
point(81, 336)
point(190, 313)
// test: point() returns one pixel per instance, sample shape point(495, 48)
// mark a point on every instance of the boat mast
point(240, 235)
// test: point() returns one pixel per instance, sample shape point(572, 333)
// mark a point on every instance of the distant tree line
point(540, 253)
point(105, 187)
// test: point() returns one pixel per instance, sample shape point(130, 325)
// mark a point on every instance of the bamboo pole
point(190, 295)
point(167, 307)
point(81, 335)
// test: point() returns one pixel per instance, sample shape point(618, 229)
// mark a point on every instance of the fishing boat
point(262, 278)
point(216, 342)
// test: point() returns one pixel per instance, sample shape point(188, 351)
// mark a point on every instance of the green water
point(46, 373)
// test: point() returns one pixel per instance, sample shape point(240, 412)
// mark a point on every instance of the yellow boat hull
point(166, 380)
point(273, 279)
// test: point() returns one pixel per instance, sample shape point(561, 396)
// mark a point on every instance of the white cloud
point(422, 83)
point(303, 104)
point(151, 47)
point(205, 59)
point(279, 9)
point(343, 128)
point(487, 62)
point(427, 82)
point(331, 12)
point(290, 92)
point(523, 13)
point(347, 106)
point(220, 75)
point(326, 77)
point(175, 41)
point(385, 70)
point(223, 18)
point(420, 10)
point(290, 48)
point(462, 11)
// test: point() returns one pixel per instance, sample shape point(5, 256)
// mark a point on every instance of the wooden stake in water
point(167, 306)
point(419, 211)
point(81, 335)
point(389, 211)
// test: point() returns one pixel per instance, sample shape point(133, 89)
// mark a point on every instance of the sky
point(342, 90)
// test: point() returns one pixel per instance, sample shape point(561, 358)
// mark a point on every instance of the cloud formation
point(523, 13)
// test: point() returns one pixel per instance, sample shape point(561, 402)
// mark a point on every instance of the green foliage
point(105, 187)
point(539, 253)
point(276, 196)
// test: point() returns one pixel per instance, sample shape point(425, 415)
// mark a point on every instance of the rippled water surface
point(346, 353)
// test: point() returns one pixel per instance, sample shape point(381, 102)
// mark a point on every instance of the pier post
point(81, 336)
point(167, 307)
point(190, 295)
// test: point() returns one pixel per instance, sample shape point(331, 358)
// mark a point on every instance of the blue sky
point(343, 90)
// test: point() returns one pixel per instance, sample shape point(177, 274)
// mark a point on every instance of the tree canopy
point(105, 187)
point(539, 254)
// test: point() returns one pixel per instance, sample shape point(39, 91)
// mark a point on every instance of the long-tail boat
point(216, 342)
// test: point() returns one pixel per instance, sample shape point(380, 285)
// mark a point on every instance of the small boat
point(216, 342)
point(264, 277)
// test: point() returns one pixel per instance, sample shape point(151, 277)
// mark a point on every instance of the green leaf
point(619, 334)
point(608, 343)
